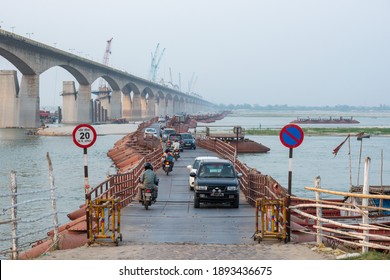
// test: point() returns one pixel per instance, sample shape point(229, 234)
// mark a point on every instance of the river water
point(26, 154)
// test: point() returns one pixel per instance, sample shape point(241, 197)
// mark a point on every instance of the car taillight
point(148, 190)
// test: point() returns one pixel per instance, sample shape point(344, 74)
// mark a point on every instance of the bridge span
point(127, 96)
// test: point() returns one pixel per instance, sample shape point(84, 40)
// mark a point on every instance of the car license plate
point(148, 194)
point(216, 194)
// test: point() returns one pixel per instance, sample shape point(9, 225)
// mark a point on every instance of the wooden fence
point(33, 197)
point(253, 184)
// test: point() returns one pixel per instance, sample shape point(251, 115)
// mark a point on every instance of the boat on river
point(330, 120)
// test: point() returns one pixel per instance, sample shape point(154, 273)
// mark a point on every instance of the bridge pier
point(170, 107)
point(115, 105)
point(136, 107)
point(160, 105)
point(76, 105)
point(19, 106)
point(29, 102)
point(9, 88)
point(151, 108)
point(69, 96)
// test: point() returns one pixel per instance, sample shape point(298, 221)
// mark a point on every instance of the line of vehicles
point(213, 180)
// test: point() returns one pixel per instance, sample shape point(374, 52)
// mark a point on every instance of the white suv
point(194, 168)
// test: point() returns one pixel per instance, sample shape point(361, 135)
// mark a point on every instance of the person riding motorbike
point(167, 156)
point(176, 147)
point(149, 180)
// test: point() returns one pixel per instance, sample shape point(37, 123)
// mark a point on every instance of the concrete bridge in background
point(129, 97)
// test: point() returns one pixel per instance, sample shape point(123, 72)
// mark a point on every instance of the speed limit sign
point(84, 135)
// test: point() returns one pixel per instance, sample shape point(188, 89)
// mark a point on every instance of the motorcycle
point(167, 167)
point(148, 197)
point(176, 154)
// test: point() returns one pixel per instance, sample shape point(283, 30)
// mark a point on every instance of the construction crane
point(155, 63)
point(103, 87)
point(106, 57)
point(191, 83)
point(171, 80)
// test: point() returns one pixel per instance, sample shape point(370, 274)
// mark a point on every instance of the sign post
point(84, 136)
point(237, 130)
point(291, 136)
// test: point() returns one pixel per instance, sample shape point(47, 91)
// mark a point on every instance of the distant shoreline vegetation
point(316, 131)
point(336, 108)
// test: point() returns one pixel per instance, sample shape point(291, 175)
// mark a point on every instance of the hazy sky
point(264, 52)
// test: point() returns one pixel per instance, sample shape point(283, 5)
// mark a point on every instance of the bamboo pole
point(366, 187)
point(53, 203)
point(327, 206)
point(349, 194)
point(318, 210)
point(355, 234)
point(335, 203)
point(382, 189)
point(376, 246)
point(360, 160)
point(330, 221)
point(14, 211)
point(350, 163)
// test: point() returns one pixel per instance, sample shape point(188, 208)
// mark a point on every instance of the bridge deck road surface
point(174, 219)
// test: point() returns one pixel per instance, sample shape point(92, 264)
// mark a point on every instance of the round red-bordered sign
point(291, 135)
point(84, 135)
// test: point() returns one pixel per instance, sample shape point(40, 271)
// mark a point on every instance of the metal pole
point(86, 185)
point(236, 141)
point(289, 195)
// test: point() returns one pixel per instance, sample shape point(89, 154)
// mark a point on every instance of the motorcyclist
point(176, 148)
point(176, 145)
point(149, 180)
point(167, 156)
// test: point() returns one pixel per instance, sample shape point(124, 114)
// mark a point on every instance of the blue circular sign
point(291, 136)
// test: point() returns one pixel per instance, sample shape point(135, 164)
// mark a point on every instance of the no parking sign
point(291, 136)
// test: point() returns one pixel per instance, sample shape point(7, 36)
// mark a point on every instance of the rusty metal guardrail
point(253, 184)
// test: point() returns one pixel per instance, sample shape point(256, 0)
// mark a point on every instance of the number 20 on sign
point(84, 135)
